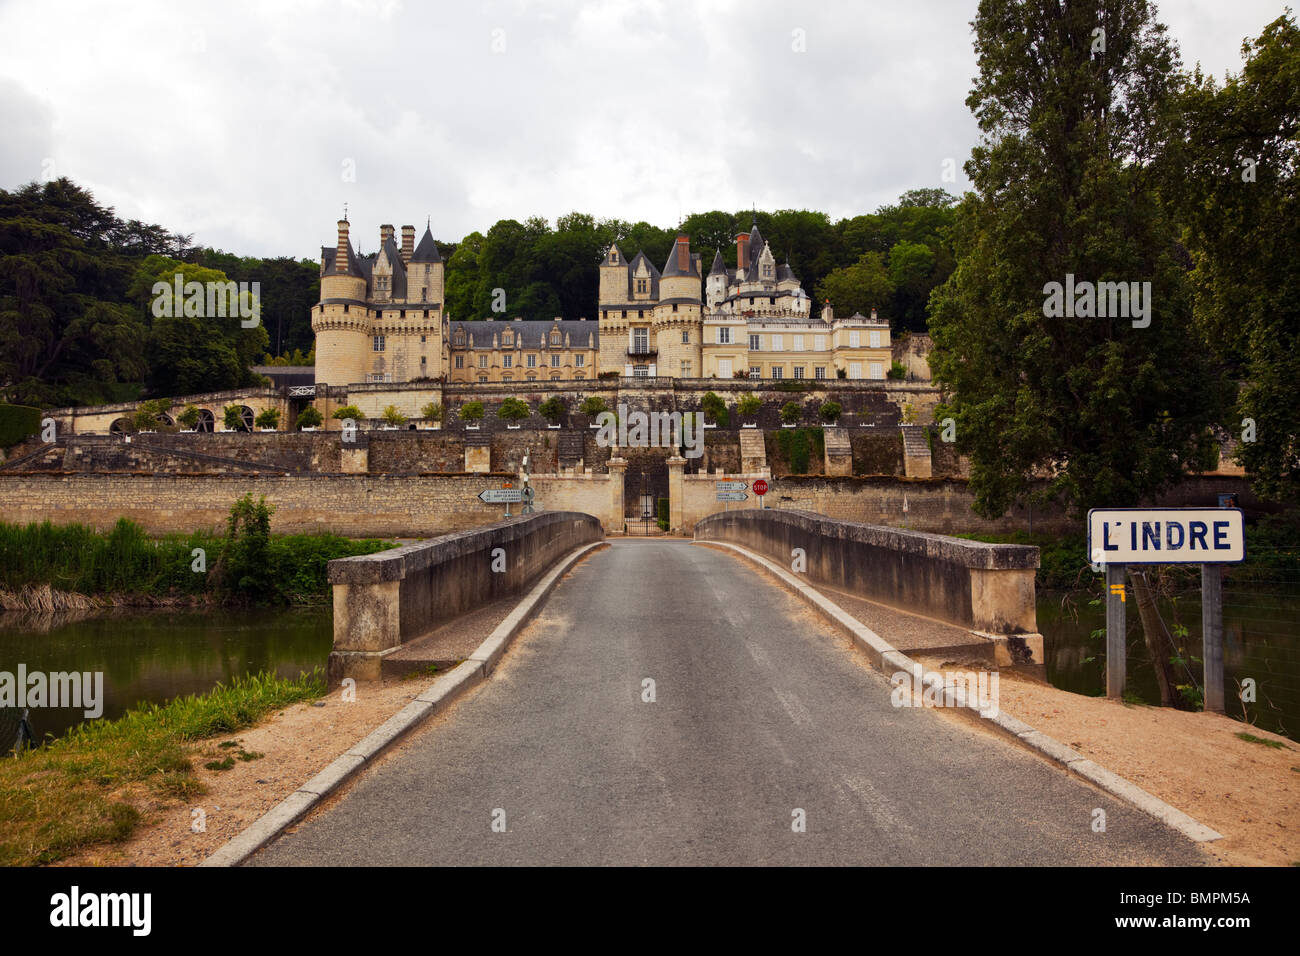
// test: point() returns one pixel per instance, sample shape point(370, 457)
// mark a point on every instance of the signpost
point(506, 496)
point(760, 489)
point(732, 496)
point(1118, 537)
point(731, 485)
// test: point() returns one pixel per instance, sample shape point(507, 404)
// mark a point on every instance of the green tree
point(349, 411)
point(310, 417)
point(830, 412)
point(553, 409)
point(244, 566)
point(593, 405)
point(715, 407)
point(859, 287)
point(233, 418)
point(513, 410)
point(189, 416)
point(392, 416)
point(434, 412)
point(791, 412)
point(471, 411)
point(268, 418)
point(1241, 204)
point(749, 404)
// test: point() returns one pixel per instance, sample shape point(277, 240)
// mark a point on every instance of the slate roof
point(692, 262)
point(650, 267)
point(530, 334)
point(719, 268)
point(427, 250)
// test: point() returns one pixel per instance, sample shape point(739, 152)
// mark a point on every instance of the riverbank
point(47, 567)
point(99, 783)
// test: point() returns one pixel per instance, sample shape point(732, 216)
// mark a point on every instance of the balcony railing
point(642, 350)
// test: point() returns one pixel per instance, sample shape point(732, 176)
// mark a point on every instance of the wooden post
point(1212, 636)
point(1116, 648)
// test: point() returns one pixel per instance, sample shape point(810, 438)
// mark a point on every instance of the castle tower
point(341, 320)
point(678, 316)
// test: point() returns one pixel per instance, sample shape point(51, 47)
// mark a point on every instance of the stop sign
point(760, 487)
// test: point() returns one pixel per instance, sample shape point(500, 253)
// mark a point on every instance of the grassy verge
point(84, 788)
point(126, 561)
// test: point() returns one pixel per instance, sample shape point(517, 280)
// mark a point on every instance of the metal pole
point(1116, 649)
point(1212, 636)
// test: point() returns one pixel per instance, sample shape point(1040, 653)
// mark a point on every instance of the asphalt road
point(760, 711)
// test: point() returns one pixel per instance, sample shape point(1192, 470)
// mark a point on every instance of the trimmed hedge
point(18, 422)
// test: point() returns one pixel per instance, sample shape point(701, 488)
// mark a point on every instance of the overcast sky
point(250, 124)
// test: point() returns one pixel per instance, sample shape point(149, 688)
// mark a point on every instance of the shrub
point(233, 417)
point(349, 411)
point(799, 445)
point(149, 414)
point(18, 422)
point(749, 405)
point(392, 416)
point(841, 373)
point(513, 409)
point(268, 418)
point(896, 370)
point(715, 407)
point(791, 412)
point(593, 405)
point(245, 564)
point(661, 508)
point(310, 417)
point(471, 411)
point(553, 409)
point(434, 412)
point(830, 412)
point(189, 416)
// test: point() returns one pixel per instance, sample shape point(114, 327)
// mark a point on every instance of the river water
point(157, 655)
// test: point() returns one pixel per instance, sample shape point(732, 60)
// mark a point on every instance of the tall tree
point(1241, 201)
point(1075, 103)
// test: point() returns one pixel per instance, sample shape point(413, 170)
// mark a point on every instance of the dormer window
point(555, 337)
point(613, 258)
point(640, 285)
point(767, 270)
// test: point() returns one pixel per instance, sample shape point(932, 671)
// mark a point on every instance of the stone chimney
point(742, 251)
point(684, 253)
point(341, 256)
point(873, 314)
point(408, 243)
point(828, 314)
point(385, 233)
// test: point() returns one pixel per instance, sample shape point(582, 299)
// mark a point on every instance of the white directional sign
point(731, 485)
point(498, 496)
point(1166, 536)
point(732, 496)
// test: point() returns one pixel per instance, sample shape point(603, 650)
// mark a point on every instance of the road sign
point(498, 496)
point(731, 485)
point(760, 487)
point(1166, 536)
point(732, 496)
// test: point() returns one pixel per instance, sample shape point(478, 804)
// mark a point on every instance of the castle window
point(798, 343)
point(505, 338)
point(507, 378)
point(640, 285)
point(855, 339)
point(460, 361)
point(402, 314)
point(819, 343)
point(532, 360)
point(482, 361)
point(613, 258)
point(756, 371)
point(776, 371)
point(819, 371)
point(724, 335)
point(579, 360)
point(771, 300)
point(345, 306)
point(875, 339)
point(555, 337)
point(482, 379)
point(555, 361)
point(767, 270)
point(507, 361)
point(424, 360)
point(777, 343)
point(686, 338)
point(424, 295)
point(378, 343)
point(755, 343)
point(426, 270)
point(604, 313)
point(674, 306)
point(686, 369)
point(421, 339)
point(532, 378)
point(798, 371)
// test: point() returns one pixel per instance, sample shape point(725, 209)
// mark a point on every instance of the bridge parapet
point(383, 600)
point(988, 588)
